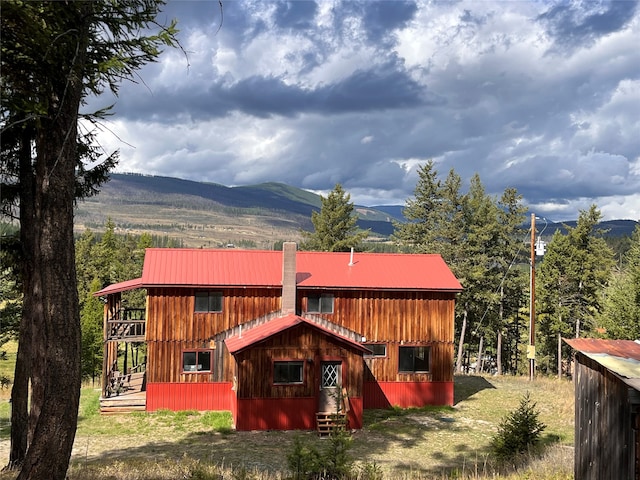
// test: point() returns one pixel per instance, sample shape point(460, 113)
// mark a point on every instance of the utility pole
point(531, 351)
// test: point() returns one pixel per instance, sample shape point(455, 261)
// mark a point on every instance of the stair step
point(328, 423)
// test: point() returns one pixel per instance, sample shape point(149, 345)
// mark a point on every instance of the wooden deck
point(132, 397)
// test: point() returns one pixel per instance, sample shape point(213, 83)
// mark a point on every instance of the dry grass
point(411, 444)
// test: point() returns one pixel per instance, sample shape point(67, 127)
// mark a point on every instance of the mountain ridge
point(211, 214)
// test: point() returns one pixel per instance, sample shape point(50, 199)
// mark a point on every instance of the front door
point(330, 387)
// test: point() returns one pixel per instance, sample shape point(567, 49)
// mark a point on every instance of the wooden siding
point(604, 437)
point(164, 362)
point(385, 369)
point(171, 316)
point(383, 316)
point(255, 365)
point(410, 318)
point(394, 318)
point(407, 394)
point(190, 396)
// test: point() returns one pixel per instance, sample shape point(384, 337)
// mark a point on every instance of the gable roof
point(263, 268)
point(266, 330)
point(621, 357)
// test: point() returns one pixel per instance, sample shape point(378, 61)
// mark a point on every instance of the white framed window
point(196, 361)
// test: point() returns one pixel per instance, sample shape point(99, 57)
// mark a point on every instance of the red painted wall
point(355, 412)
point(190, 396)
point(407, 394)
point(276, 413)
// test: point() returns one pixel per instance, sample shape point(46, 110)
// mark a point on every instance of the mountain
point(210, 214)
point(611, 228)
point(200, 214)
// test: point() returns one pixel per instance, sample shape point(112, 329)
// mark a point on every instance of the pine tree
point(571, 279)
point(519, 431)
point(621, 313)
point(54, 56)
point(335, 225)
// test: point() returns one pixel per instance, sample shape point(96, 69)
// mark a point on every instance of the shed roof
point(263, 268)
point(266, 330)
point(622, 357)
point(120, 287)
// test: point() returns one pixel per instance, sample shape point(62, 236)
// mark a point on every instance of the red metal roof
point(264, 331)
point(199, 267)
point(203, 267)
point(263, 268)
point(392, 271)
point(120, 287)
point(617, 348)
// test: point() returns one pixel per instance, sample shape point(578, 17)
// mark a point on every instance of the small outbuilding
point(607, 409)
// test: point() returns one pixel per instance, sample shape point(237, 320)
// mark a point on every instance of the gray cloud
point(537, 97)
point(573, 25)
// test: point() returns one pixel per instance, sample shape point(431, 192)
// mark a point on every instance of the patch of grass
point(219, 421)
point(410, 444)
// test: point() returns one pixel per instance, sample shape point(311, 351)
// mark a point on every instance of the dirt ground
point(424, 441)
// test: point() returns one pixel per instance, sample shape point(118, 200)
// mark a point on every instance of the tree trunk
point(461, 342)
point(479, 359)
point(559, 355)
point(56, 341)
point(20, 389)
point(499, 346)
point(55, 373)
point(499, 354)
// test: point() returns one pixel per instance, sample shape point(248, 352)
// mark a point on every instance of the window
point(377, 349)
point(288, 372)
point(320, 303)
point(414, 359)
point(196, 361)
point(208, 302)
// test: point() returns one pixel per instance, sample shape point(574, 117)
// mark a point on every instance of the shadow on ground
point(468, 385)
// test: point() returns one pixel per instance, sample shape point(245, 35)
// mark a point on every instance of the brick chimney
point(288, 278)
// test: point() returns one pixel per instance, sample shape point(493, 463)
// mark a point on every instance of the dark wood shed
point(607, 410)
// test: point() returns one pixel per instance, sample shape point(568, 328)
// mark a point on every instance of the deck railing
point(127, 324)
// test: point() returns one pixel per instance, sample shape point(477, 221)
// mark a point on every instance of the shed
point(607, 409)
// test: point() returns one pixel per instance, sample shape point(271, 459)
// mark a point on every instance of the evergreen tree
point(571, 279)
point(91, 319)
point(335, 225)
point(54, 56)
point(478, 238)
point(418, 233)
point(621, 313)
point(10, 284)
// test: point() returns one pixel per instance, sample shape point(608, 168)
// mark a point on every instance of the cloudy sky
point(537, 95)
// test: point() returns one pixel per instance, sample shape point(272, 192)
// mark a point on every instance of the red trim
point(190, 396)
point(407, 394)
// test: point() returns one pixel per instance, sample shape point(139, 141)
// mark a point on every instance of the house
point(607, 418)
point(281, 338)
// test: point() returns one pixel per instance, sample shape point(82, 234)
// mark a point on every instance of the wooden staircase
point(331, 422)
